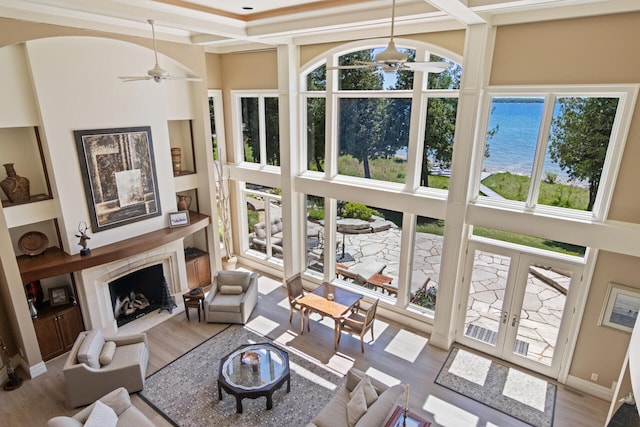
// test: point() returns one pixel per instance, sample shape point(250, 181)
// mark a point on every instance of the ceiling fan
point(157, 73)
point(391, 59)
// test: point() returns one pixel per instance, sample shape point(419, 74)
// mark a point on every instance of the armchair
point(119, 401)
point(359, 322)
point(91, 371)
point(232, 298)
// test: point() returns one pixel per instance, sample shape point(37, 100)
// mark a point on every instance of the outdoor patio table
point(343, 301)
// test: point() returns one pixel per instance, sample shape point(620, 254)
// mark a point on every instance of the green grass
point(515, 187)
point(530, 241)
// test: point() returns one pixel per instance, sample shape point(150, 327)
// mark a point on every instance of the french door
point(519, 305)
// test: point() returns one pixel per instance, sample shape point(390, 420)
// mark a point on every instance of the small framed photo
point(622, 304)
point(60, 295)
point(179, 219)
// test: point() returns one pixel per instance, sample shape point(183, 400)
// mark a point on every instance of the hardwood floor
point(396, 355)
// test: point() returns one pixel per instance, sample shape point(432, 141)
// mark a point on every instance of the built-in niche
point(181, 141)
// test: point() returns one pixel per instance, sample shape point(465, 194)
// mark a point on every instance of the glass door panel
point(485, 302)
point(545, 295)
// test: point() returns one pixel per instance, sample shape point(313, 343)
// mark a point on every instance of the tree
point(251, 129)
point(580, 136)
point(316, 110)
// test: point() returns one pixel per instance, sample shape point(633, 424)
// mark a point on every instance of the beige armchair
point(96, 366)
point(119, 401)
point(232, 298)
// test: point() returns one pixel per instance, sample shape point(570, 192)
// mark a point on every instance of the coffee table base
point(253, 394)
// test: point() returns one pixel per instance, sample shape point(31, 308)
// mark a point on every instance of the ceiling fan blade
point(431, 67)
point(183, 78)
point(134, 78)
point(353, 67)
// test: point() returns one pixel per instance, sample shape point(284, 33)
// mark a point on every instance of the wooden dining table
point(317, 301)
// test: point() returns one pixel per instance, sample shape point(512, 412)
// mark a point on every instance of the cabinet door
point(48, 338)
point(69, 326)
point(203, 271)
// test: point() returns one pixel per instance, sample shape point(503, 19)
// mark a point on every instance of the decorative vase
point(32, 308)
point(229, 263)
point(14, 186)
point(34, 292)
point(176, 160)
point(184, 203)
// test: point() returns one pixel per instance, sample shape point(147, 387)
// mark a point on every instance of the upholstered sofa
point(347, 407)
point(97, 365)
point(118, 400)
point(232, 298)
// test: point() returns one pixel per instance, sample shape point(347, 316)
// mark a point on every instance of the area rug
point(185, 391)
point(509, 390)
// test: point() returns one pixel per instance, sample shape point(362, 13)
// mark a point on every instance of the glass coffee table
point(252, 371)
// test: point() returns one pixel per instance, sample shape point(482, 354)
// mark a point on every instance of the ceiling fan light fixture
point(390, 55)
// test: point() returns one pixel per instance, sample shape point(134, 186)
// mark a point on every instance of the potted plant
point(222, 191)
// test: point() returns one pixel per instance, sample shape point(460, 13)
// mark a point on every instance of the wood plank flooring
point(397, 354)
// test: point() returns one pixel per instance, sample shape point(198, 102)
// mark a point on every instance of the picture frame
point(60, 295)
point(179, 219)
point(119, 175)
point(622, 304)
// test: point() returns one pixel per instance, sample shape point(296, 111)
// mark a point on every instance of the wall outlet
point(594, 377)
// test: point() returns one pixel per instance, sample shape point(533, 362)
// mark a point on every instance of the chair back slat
point(371, 314)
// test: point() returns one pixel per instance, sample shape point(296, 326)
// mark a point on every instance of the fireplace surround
point(94, 296)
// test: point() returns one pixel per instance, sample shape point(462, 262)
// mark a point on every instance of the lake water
point(513, 146)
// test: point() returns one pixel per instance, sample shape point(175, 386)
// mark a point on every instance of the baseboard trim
point(590, 388)
point(37, 369)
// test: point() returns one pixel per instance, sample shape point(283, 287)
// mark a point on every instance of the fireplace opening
point(138, 293)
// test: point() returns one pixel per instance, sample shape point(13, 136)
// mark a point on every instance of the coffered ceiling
point(233, 25)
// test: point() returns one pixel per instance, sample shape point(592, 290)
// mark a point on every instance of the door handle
point(514, 320)
point(505, 317)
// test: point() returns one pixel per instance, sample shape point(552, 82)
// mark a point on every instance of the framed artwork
point(59, 295)
point(179, 219)
point(119, 174)
point(622, 304)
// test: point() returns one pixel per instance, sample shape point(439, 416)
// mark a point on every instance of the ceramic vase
point(184, 203)
point(14, 186)
point(176, 160)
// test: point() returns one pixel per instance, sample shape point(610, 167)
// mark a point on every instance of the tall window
point(547, 150)
point(373, 120)
point(260, 129)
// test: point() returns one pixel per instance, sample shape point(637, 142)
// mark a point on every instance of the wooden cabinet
point(198, 268)
point(57, 329)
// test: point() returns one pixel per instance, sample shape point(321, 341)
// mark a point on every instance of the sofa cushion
point(231, 290)
point(379, 412)
point(89, 351)
point(356, 407)
point(354, 376)
point(336, 409)
point(370, 393)
point(101, 416)
point(106, 355)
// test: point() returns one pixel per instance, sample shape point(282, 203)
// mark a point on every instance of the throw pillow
point(356, 407)
point(89, 351)
point(101, 416)
point(106, 355)
point(370, 394)
point(231, 290)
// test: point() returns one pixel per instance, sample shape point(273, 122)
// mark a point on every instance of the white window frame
point(236, 117)
point(627, 98)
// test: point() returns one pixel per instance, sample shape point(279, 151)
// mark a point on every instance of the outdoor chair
point(294, 292)
point(359, 322)
point(360, 272)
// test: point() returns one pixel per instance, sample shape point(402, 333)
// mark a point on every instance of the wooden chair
point(295, 291)
point(359, 322)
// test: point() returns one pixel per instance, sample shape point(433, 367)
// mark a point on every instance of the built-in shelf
point(54, 261)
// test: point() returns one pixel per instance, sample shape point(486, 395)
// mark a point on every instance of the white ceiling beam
point(459, 11)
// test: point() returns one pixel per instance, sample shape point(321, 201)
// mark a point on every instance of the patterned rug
point(509, 390)
point(185, 391)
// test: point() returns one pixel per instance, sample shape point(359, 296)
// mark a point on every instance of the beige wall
point(214, 71)
point(575, 51)
point(586, 51)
